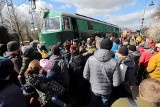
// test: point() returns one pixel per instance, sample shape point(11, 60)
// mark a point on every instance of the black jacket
point(13, 95)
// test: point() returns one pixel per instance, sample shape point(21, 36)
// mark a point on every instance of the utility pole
point(151, 4)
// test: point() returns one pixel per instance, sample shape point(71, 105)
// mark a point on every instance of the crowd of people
point(97, 72)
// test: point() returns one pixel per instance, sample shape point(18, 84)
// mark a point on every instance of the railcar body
point(59, 27)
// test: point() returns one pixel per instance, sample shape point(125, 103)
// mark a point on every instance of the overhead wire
point(22, 2)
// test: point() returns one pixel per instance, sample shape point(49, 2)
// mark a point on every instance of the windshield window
point(52, 24)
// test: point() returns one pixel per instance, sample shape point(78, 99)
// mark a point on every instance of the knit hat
point(106, 44)
point(6, 67)
point(123, 51)
point(72, 47)
point(146, 46)
point(46, 64)
point(12, 46)
point(132, 47)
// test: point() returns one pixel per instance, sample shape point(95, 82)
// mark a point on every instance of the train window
point(66, 23)
point(52, 24)
point(90, 25)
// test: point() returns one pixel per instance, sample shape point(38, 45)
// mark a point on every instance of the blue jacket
point(114, 49)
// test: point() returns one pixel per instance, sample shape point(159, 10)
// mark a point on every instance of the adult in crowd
point(115, 47)
point(47, 88)
point(13, 53)
point(151, 43)
point(42, 50)
point(128, 71)
point(10, 94)
point(97, 39)
point(149, 95)
point(33, 45)
point(122, 53)
point(143, 61)
point(140, 48)
point(125, 43)
point(89, 49)
point(66, 53)
point(134, 54)
point(102, 71)
point(29, 55)
point(79, 85)
point(59, 65)
point(152, 70)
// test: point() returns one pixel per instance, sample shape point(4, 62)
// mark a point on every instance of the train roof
point(87, 18)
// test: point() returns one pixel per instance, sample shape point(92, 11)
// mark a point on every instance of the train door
point(75, 27)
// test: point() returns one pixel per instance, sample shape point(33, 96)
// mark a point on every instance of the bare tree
point(154, 28)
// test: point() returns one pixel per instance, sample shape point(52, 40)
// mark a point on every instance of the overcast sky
point(124, 13)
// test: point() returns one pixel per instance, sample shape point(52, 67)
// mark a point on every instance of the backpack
point(128, 71)
point(128, 74)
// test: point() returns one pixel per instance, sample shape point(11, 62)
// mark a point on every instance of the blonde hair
point(150, 90)
point(33, 67)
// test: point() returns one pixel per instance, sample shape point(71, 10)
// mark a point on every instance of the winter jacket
point(140, 49)
point(29, 55)
point(60, 67)
point(25, 63)
point(66, 56)
point(135, 57)
point(16, 59)
point(122, 102)
point(102, 71)
point(145, 57)
point(78, 85)
point(114, 48)
point(89, 51)
point(153, 68)
point(14, 95)
point(128, 71)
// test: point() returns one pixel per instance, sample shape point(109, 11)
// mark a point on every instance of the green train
point(59, 27)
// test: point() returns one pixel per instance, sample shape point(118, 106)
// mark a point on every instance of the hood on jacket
point(128, 62)
point(54, 58)
point(103, 55)
point(149, 50)
point(136, 53)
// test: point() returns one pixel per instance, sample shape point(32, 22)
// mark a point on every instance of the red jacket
point(145, 57)
point(140, 49)
point(152, 45)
